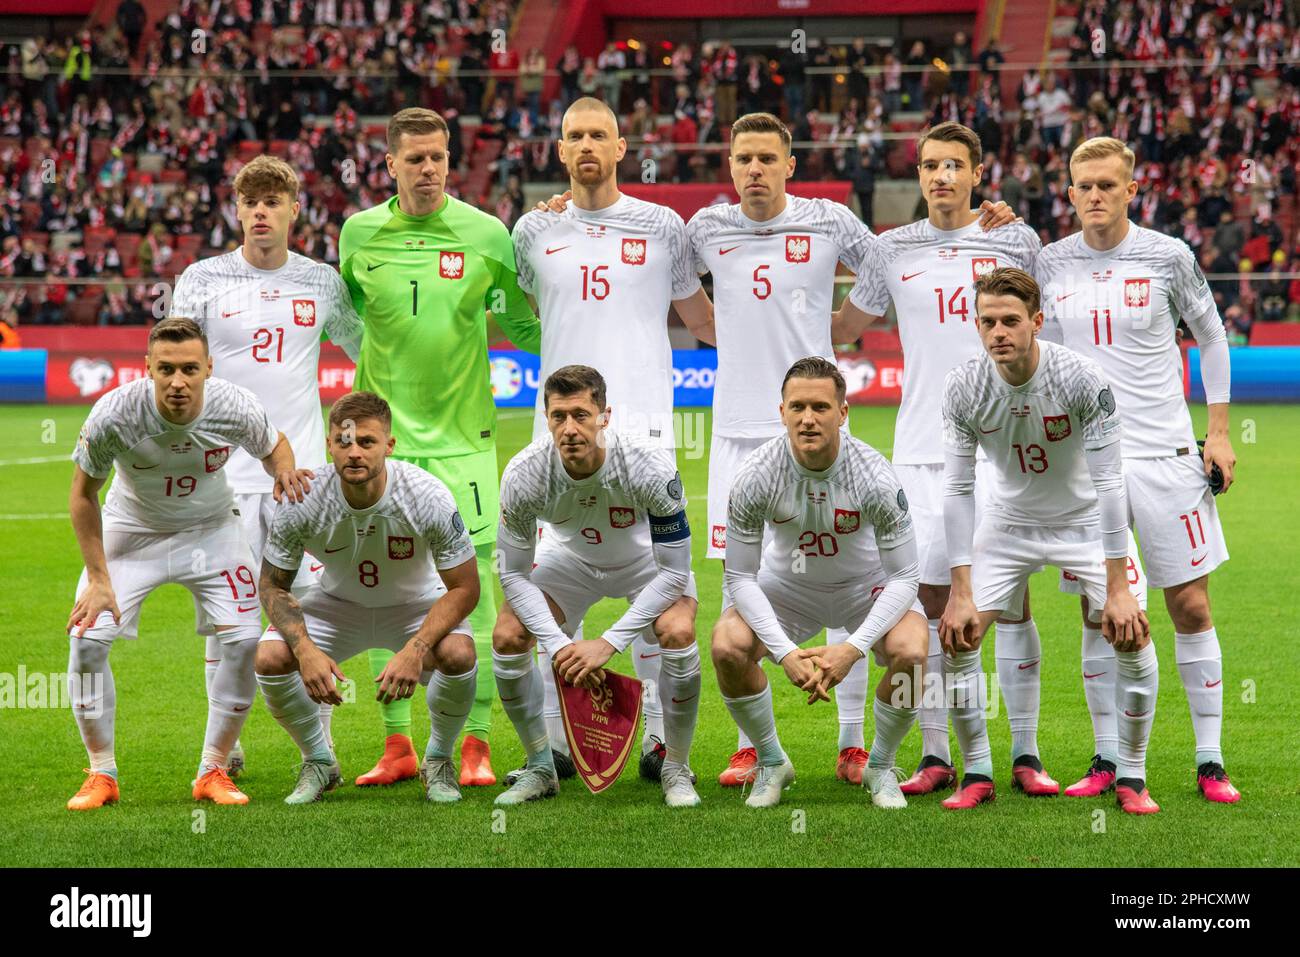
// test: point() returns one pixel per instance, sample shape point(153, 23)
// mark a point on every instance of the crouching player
point(617, 514)
point(841, 555)
point(169, 518)
point(1046, 419)
point(399, 574)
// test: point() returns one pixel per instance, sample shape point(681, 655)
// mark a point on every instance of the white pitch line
point(35, 517)
point(40, 460)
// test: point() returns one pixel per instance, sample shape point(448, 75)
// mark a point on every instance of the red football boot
point(1133, 797)
point(397, 764)
point(1213, 783)
point(1027, 775)
point(970, 795)
point(932, 774)
point(1099, 779)
point(741, 769)
point(476, 763)
point(850, 764)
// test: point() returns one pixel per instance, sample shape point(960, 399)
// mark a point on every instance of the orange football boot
point(216, 786)
point(98, 790)
point(476, 763)
point(397, 764)
point(850, 764)
point(741, 769)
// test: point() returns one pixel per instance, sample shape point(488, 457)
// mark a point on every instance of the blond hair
point(1100, 147)
point(266, 176)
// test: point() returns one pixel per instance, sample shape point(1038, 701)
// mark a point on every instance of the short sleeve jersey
point(387, 554)
point(1035, 434)
point(827, 527)
point(170, 478)
point(604, 519)
point(264, 330)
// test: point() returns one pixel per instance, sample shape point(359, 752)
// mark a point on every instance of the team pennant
point(601, 726)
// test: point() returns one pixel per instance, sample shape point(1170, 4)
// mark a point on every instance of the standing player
point(815, 492)
point(399, 573)
point(424, 270)
point(926, 269)
point(615, 508)
point(263, 310)
point(1046, 419)
point(169, 518)
point(1115, 292)
point(605, 273)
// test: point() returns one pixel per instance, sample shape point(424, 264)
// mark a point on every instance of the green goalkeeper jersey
point(424, 285)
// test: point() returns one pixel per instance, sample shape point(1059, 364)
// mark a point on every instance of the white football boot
point(769, 781)
point(883, 783)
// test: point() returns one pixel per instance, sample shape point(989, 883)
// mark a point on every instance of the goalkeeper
point(424, 270)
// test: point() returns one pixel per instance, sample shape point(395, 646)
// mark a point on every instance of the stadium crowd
point(117, 146)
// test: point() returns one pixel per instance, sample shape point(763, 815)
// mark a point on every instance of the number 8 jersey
point(387, 554)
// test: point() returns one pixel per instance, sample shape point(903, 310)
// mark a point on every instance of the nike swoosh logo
point(906, 277)
point(782, 521)
point(984, 431)
point(1197, 561)
point(645, 657)
point(238, 708)
point(375, 266)
point(242, 608)
point(450, 715)
point(515, 698)
point(475, 531)
point(731, 249)
point(556, 249)
point(1213, 684)
point(145, 468)
point(1097, 675)
point(1140, 714)
point(315, 568)
point(212, 661)
point(331, 551)
point(684, 700)
point(1023, 667)
point(1065, 297)
point(227, 315)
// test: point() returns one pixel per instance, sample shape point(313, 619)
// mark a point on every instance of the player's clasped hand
point(293, 484)
point(835, 662)
point(959, 625)
point(804, 675)
point(400, 676)
point(1124, 623)
point(318, 671)
point(91, 603)
point(580, 662)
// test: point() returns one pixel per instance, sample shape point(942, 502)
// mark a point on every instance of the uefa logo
point(507, 378)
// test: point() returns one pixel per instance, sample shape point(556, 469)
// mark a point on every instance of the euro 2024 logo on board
point(507, 377)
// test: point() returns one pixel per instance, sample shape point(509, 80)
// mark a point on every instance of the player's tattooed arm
point(97, 596)
point(281, 606)
point(401, 675)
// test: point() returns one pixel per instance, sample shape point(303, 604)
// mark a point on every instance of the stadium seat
point(280, 148)
point(31, 214)
point(189, 244)
point(84, 310)
point(173, 176)
point(97, 237)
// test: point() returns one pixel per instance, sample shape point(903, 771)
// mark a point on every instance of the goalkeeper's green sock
point(397, 714)
point(483, 619)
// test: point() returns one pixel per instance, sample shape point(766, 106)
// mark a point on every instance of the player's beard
point(587, 176)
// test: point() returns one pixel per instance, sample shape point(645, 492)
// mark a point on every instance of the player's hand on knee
point(399, 677)
point(293, 484)
point(958, 625)
point(586, 658)
point(318, 671)
point(96, 599)
point(1123, 623)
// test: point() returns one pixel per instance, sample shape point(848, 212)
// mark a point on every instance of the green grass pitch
point(821, 821)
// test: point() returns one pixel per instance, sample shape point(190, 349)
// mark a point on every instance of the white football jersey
point(773, 288)
point(928, 273)
point(605, 281)
point(170, 477)
point(388, 554)
point(605, 518)
point(264, 330)
point(1120, 307)
point(825, 526)
point(1034, 434)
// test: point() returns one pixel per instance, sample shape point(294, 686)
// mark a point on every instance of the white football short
point(804, 608)
point(725, 457)
point(256, 512)
point(1005, 555)
point(214, 562)
point(923, 485)
point(342, 629)
point(1177, 521)
point(575, 585)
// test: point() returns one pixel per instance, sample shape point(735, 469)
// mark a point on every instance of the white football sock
point(449, 698)
point(850, 696)
point(1135, 704)
point(287, 700)
point(681, 689)
point(211, 661)
point(753, 714)
point(1200, 665)
point(1019, 655)
point(1099, 690)
point(326, 720)
point(964, 678)
point(93, 694)
point(646, 661)
point(551, 702)
point(892, 725)
point(933, 715)
point(233, 689)
point(520, 688)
